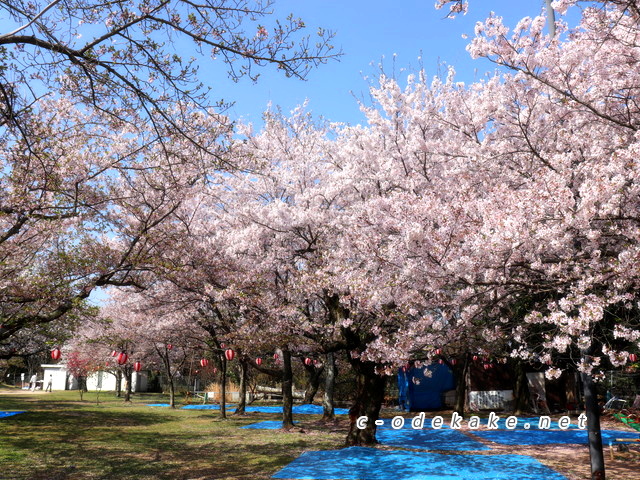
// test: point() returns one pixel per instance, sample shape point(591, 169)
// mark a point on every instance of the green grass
point(61, 437)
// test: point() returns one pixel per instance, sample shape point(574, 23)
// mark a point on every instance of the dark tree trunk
point(593, 428)
point(172, 393)
point(369, 397)
point(314, 377)
point(119, 383)
point(329, 383)
point(521, 391)
point(243, 388)
point(127, 384)
point(287, 390)
point(461, 385)
point(223, 389)
point(167, 369)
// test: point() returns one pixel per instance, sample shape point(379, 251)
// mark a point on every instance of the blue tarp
point(532, 423)
point(427, 439)
point(425, 391)
point(307, 409)
point(9, 414)
point(543, 437)
point(267, 425)
point(360, 463)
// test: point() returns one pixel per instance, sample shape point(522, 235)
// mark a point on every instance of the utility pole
point(551, 19)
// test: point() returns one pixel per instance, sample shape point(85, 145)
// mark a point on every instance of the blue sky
point(369, 32)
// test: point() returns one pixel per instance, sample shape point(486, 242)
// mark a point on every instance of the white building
point(101, 380)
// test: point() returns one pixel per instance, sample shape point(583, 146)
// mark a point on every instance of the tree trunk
point(520, 391)
point(287, 391)
point(243, 388)
point(223, 389)
point(369, 397)
point(167, 368)
point(329, 383)
point(593, 428)
point(172, 393)
point(315, 375)
point(127, 384)
point(119, 383)
point(461, 385)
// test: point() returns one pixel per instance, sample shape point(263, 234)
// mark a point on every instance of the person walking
point(49, 383)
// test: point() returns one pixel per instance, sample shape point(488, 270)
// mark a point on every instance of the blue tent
point(426, 386)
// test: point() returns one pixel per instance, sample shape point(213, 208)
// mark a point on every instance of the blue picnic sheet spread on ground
point(9, 414)
point(359, 463)
point(307, 409)
point(267, 425)
point(524, 423)
point(427, 438)
point(542, 437)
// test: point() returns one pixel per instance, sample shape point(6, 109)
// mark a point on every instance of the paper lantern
point(114, 353)
point(276, 356)
point(438, 351)
point(475, 358)
point(204, 362)
point(307, 361)
point(633, 357)
point(229, 354)
point(56, 353)
point(122, 358)
point(453, 361)
point(258, 361)
point(486, 366)
point(223, 345)
point(169, 346)
point(441, 362)
point(137, 366)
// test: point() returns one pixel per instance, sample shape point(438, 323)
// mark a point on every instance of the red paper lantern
point(122, 358)
point(487, 366)
point(438, 351)
point(475, 358)
point(307, 361)
point(229, 354)
point(441, 362)
point(453, 361)
point(258, 361)
point(633, 357)
point(276, 356)
point(169, 346)
point(56, 353)
point(204, 362)
point(137, 366)
point(114, 353)
point(222, 345)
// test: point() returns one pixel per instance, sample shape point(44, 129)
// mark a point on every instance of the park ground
point(61, 437)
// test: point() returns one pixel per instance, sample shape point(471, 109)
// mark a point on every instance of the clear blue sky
point(369, 32)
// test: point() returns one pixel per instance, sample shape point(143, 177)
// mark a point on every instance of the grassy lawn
point(61, 437)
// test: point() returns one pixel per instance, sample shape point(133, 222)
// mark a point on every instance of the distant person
point(49, 383)
point(32, 382)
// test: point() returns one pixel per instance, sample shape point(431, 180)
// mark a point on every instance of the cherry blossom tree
point(103, 126)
